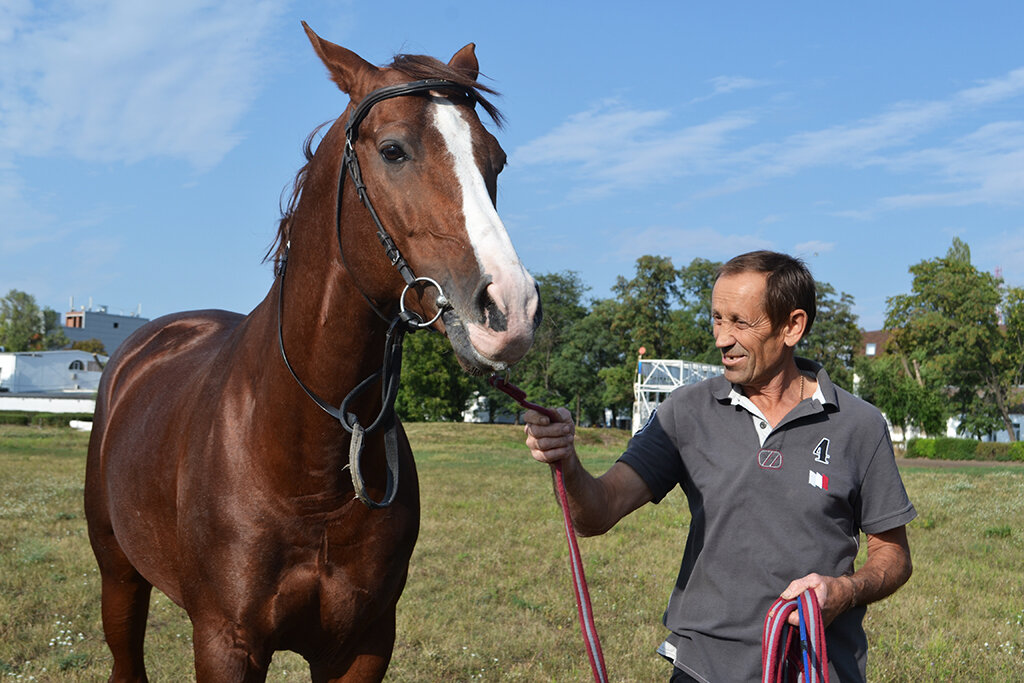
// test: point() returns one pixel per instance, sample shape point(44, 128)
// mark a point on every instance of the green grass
point(489, 595)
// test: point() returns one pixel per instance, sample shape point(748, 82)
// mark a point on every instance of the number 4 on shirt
point(821, 453)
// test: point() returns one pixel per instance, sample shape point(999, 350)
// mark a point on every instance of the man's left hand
point(835, 594)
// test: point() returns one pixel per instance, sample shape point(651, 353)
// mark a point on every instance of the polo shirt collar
point(722, 389)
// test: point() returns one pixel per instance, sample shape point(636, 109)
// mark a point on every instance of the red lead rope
point(782, 658)
point(579, 580)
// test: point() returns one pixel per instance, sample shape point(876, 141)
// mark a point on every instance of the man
point(782, 471)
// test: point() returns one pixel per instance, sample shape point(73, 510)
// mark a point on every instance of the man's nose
point(723, 336)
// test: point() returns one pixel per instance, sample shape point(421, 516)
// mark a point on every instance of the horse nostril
point(490, 313)
point(493, 315)
point(538, 315)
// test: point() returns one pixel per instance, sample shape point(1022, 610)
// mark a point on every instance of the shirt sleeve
point(883, 503)
point(653, 456)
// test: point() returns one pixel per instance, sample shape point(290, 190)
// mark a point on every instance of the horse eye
point(392, 152)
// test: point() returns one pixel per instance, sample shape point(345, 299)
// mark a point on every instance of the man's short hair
point(790, 285)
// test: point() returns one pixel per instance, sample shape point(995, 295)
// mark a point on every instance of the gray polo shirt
point(765, 513)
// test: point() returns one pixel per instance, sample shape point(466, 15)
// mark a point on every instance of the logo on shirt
point(821, 453)
point(818, 480)
point(769, 459)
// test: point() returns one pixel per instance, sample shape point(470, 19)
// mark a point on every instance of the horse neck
point(332, 337)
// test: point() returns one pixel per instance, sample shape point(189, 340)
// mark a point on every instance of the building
point(110, 329)
point(873, 343)
point(50, 372)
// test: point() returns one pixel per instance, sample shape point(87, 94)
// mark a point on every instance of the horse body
point(214, 477)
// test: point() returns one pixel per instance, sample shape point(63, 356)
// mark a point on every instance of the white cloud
point(723, 85)
point(994, 89)
point(615, 147)
point(984, 167)
point(128, 80)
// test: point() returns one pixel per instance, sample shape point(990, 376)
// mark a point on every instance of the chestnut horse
point(217, 464)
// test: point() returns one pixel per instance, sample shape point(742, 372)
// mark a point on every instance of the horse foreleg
point(225, 653)
point(370, 659)
point(125, 606)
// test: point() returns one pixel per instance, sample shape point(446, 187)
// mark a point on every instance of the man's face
point(752, 353)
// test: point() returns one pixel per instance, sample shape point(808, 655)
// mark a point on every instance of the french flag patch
point(818, 480)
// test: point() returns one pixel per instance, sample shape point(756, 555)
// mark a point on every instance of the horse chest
point(341, 583)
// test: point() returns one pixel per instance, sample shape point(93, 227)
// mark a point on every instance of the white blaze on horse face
point(512, 289)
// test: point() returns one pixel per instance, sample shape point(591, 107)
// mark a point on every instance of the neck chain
point(801, 386)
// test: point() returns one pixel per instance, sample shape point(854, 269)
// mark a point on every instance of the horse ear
point(346, 68)
point(465, 61)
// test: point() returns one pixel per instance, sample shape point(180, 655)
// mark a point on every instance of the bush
point(14, 417)
point(921, 448)
point(965, 449)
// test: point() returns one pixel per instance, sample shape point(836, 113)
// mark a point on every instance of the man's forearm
point(887, 568)
point(596, 504)
point(588, 504)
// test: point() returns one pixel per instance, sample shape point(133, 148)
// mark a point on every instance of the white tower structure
point(656, 379)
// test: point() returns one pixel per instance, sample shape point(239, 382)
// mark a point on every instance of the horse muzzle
point(499, 330)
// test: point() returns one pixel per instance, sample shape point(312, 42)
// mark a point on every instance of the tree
point(644, 314)
point(950, 321)
point(537, 374)
point(905, 402)
point(641, 314)
point(694, 323)
point(590, 347)
point(434, 386)
point(26, 327)
point(92, 345)
point(835, 336)
point(1011, 357)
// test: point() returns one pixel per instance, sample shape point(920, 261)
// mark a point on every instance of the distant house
point(873, 343)
point(109, 328)
point(50, 372)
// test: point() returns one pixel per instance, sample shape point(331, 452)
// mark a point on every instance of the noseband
point(404, 321)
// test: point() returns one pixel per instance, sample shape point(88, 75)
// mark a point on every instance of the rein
point(399, 325)
point(579, 580)
point(782, 658)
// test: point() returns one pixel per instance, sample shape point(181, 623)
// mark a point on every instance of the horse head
point(429, 170)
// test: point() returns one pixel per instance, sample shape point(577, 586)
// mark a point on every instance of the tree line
point(584, 353)
point(956, 348)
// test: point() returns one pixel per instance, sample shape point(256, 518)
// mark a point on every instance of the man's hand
point(550, 441)
point(835, 595)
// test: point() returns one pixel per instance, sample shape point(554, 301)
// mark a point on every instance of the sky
point(145, 146)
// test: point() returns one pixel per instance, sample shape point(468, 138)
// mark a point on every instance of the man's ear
point(795, 327)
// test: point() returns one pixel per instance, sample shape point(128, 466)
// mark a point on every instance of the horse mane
point(417, 67)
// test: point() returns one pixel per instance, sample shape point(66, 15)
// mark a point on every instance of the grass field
point(489, 596)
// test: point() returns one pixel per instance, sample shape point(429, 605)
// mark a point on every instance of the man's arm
point(595, 503)
point(887, 568)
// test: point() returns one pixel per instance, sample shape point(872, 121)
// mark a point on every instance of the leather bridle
point(398, 325)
